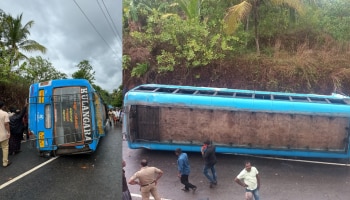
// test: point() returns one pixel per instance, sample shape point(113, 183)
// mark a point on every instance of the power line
point(120, 38)
point(94, 26)
point(109, 21)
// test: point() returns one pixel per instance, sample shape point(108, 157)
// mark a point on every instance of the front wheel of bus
point(45, 154)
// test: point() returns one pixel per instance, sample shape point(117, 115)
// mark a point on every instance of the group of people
point(147, 177)
point(12, 126)
point(114, 116)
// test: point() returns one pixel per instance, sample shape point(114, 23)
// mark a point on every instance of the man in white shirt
point(249, 179)
point(4, 135)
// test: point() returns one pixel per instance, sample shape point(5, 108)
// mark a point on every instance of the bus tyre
point(47, 154)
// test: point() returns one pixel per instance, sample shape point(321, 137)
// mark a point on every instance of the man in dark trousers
point(16, 130)
point(208, 153)
point(183, 167)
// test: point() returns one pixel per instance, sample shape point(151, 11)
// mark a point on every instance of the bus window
point(67, 114)
point(47, 116)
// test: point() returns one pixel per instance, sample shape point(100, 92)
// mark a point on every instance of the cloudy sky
point(76, 30)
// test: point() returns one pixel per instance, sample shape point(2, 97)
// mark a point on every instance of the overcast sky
point(76, 30)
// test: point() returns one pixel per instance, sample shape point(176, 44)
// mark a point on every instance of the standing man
point(249, 179)
point(110, 117)
point(183, 167)
point(115, 116)
point(147, 179)
point(4, 135)
point(208, 153)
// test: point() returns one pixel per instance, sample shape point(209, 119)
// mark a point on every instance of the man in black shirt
point(208, 153)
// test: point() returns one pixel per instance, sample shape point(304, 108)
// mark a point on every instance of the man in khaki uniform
point(147, 179)
point(4, 135)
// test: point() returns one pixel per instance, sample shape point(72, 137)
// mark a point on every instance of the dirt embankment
point(305, 72)
point(13, 95)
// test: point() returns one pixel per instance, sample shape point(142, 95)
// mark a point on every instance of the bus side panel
point(99, 115)
point(239, 128)
point(36, 115)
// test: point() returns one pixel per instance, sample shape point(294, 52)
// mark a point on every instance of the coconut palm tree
point(15, 38)
point(237, 13)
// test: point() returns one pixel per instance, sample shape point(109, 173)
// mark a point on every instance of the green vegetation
point(85, 71)
point(276, 45)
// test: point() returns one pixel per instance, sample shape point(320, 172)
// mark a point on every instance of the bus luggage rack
point(246, 94)
point(56, 98)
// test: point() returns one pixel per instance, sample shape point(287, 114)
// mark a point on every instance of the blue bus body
point(166, 117)
point(66, 116)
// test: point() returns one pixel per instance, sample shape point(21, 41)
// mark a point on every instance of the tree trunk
point(256, 24)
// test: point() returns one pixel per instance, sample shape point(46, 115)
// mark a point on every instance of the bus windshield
point(67, 115)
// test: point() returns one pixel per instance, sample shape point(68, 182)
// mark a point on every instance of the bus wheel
point(47, 154)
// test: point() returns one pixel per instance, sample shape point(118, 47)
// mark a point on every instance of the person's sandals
point(194, 189)
point(184, 189)
point(8, 164)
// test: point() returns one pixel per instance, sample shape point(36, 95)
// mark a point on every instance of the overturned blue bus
point(166, 117)
point(66, 116)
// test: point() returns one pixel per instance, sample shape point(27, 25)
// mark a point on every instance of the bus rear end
point(62, 117)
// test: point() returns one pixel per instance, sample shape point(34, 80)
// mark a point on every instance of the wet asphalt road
point(96, 176)
point(281, 179)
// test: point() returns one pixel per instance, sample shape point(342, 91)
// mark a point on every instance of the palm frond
point(235, 15)
point(31, 46)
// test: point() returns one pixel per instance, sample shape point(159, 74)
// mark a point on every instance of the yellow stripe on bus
point(41, 96)
point(41, 139)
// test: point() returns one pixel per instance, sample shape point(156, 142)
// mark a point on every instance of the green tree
point(176, 42)
point(117, 97)
point(335, 19)
point(38, 70)
point(136, 12)
point(106, 97)
point(5, 69)
point(240, 12)
point(85, 71)
point(15, 38)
